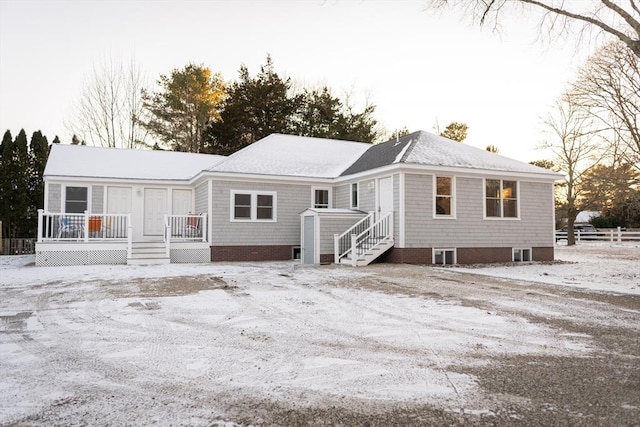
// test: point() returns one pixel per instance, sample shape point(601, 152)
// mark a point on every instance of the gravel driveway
point(278, 345)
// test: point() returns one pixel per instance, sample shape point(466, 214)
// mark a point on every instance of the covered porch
point(66, 239)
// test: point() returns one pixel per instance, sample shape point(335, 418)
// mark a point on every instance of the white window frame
point(253, 206)
point(444, 250)
point(522, 252)
point(63, 206)
point(357, 201)
point(452, 215)
point(484, 200)
point(329, 191)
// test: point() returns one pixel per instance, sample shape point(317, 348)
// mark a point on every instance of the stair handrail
point(342, 242)
point(382, 229)
point(167, 236)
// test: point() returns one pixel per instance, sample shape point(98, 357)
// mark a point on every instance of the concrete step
point(148, 261)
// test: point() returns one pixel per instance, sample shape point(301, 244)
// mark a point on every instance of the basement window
point(444, 256)
point(521, 255)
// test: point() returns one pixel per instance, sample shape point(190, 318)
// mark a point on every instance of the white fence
point(614, 235)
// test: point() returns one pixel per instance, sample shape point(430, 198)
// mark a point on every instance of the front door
point(181, 202)
point(119, 200)
point(385, 196)
point(155, 208)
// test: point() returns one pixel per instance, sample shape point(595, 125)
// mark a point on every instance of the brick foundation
point(251, 253)
point(542, 254)
point(326, 258)
point(393, 256)
point(407, 256)
point(463, 255)
point(483, 255)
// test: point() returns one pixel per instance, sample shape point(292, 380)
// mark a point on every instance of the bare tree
point(110, 109)
point(576, 149)
point(613, 17)
point(608, 87)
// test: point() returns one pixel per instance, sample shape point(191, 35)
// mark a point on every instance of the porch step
point(148, 253)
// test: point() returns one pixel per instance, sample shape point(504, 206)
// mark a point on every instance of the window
point(242, 206)
point(521, 255)
point(253, 206)
point(354, 195)
point(444, 256)
point(321, 197)
point(76, 200)
point(264, 209)
point(501, 198)
point(444, 202)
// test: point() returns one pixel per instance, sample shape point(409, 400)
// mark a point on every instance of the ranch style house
point(419, 198)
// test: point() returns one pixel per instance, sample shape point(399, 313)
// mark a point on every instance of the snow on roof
point(434, 150)
point(97, 162)
point(424, 148)
point(292, 155)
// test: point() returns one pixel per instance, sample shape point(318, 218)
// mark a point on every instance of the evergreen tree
point(56, 140)
point(316, 115)
point(265, 104)
point(456, 131)
point(189, 100)
point(38, 154)
point(6, 169)
point(256, 107)
point(15, 195)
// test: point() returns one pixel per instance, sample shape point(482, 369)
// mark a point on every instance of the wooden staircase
point(148, 253)
point(365, 241)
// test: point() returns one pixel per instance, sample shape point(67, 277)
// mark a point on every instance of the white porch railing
point(186, 227)
point(366, 240)
point(82, 227)
point(343, 244)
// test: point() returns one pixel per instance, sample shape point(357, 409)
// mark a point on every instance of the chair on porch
point(192, 227)
point(95, 226)
point(67, 226)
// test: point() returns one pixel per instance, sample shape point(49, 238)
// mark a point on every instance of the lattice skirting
point(80, 257)
point(190, 255)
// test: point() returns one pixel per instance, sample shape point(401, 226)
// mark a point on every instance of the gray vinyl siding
point(55, 198)
point(201, 204)
point(330, 225)
point(291, 201)
point(97, 199)
point(469, 228)
point(367, 196)
point(342, 196)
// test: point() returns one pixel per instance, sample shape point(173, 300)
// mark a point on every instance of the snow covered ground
point(599, 266)
point(186, 344)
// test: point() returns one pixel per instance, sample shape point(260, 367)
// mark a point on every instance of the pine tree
point(256, 107)
point(6, 169)
point(15, 197)
point(38, 154)
point(456, 131)
point(189, 100)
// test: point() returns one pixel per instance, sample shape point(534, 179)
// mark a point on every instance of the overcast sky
point(417, 66)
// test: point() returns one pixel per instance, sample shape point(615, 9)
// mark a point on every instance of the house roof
point(97, 162)
point(281, 155)
point(423, 148)
point(291, 155)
